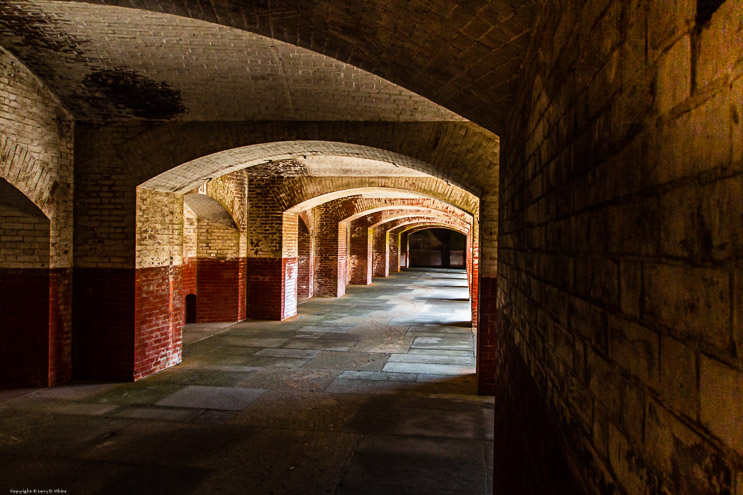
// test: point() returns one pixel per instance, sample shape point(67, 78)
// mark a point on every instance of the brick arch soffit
point(304, 199)
point(419, 228)
point(210, 209)
point(453, 223)
point(412, 229)
point(303, 222)
point(18, 168)
point(464, 216)
point(179, 157)
point(415, 217)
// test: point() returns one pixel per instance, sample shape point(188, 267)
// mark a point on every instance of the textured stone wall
point(619, 249)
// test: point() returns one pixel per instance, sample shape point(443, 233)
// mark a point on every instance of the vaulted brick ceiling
point(109, 61)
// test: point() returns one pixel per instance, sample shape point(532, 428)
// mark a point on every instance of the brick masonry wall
point(218, 290)
point(270, 287)
point(619, 250)
point(360, 251)
point(159, 310)
point(394, 252)
point(190, 250)
point(305, 259)
point(330, 251)
point(380, 252)
point(404, 250)
point(36, 158)
point(24, 231)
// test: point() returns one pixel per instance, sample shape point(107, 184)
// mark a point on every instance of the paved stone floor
point(373, 393)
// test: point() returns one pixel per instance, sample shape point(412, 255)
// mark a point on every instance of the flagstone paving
point(371, 393)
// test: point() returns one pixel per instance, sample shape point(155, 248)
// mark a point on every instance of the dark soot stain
point(144, 97)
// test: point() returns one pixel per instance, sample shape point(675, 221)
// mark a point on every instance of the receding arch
point(202, 150)
point(210, 210)
point(411, 209)
point(211, 261)
point(170, 176)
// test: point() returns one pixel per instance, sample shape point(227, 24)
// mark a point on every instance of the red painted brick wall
point(394, 252)
point(270, 296)
point(60, 325)
point(189, 276)
point(330, 254)
point(305, 263)
point(218, 290)
point(360, 253)
point(242, 284)
point(158, 320)
point(103, 320)
point(380, 253)
point(24, 331)
point(485, 292)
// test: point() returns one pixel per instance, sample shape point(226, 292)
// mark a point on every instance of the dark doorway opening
point(191, 308)
point(440, 248)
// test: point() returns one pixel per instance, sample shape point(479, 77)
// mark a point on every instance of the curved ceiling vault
point(124, 63)
point(465, 56)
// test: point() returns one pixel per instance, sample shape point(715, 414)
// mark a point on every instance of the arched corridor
point(255, 166)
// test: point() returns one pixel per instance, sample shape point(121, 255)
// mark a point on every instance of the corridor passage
point(371, 393)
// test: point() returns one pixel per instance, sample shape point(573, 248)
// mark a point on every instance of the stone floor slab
point(434, 359)
point(436, 369)
point(226, 398)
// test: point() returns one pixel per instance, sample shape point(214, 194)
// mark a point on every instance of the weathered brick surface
point(271, 288)
point(380, 252)
point(159, 309)
point(305, 258)
point(619, 242)
point(159, 314)
point(331, 252)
